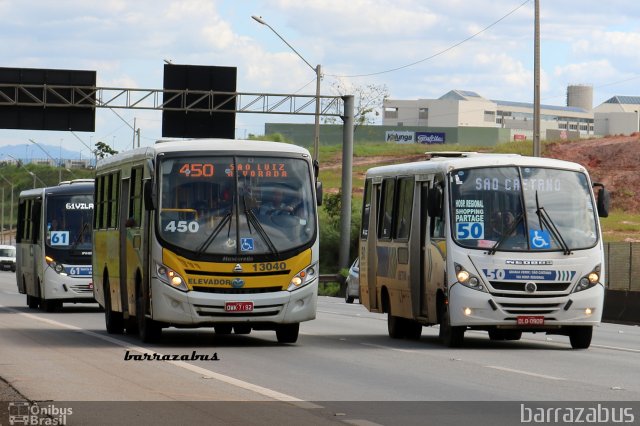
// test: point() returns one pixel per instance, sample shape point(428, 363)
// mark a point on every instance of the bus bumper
point(474, 308)
point(195, 308)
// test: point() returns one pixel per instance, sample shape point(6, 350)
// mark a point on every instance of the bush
point(329, 217)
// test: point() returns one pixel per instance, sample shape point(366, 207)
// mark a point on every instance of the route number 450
point(182, 226)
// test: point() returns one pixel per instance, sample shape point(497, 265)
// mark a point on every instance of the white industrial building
point(461, 108)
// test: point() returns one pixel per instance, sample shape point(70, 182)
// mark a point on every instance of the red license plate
point(238, 306)
point(530, 320)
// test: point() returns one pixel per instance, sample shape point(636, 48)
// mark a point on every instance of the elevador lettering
point(167, 357)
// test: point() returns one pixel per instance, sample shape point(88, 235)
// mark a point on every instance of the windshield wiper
point(77, 240)
point(205, 245)
point(546, 221)
point(253, 220)
point(506, 234)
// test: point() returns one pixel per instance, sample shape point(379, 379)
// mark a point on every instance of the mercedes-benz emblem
point(530, 287)
point(237, 283)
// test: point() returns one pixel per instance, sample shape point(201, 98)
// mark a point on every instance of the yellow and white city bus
point(496, 242)
point(53, 244)
point(196, 233)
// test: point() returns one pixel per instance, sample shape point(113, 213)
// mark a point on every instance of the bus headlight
point(303, 277)
point(589, 280)
point(467, 279)
point(170, 277)
point(58, 267)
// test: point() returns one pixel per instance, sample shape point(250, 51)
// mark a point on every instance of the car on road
point(8, 258)
point(352, 291)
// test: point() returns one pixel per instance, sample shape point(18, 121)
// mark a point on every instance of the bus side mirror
point(150, 195)
point(434, 207)
point(603, 202)
point(319, 193)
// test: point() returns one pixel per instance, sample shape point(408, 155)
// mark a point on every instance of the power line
point(435, 54)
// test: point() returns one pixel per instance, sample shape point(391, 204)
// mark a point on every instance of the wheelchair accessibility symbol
point(246, 244)
point(539, 239)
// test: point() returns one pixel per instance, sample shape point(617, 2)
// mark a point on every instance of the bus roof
point(220, 146)
point(444, 163)
point(81, 186)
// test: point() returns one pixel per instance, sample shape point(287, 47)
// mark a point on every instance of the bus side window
point(385, 221)
point(437, 221)
point(366, 210)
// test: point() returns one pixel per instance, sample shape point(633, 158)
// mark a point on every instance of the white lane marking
point(409, 351)
point(527, 373)
point(195, 369)
point(616, 348)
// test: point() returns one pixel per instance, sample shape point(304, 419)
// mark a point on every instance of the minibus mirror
point(603, 201)
point(434, 208)
point(318, 193)
point(150, 195)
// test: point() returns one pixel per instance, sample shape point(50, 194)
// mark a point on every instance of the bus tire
point(242, 329)
point(113, 320)
point(412, 329)
point(223, 328)
point(580, 337)
point(149, 330)
point(287, 333)
point(450, 336)
point(33, 302)
point(395, 325)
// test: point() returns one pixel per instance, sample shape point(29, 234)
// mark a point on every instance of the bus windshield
point(68, 222)
point(236, 205)
point(522, 209)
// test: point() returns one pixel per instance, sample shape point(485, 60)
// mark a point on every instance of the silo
point(581, 96)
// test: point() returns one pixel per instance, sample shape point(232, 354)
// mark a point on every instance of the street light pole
point(52, 159)
point(19, 164)
point(318, 70)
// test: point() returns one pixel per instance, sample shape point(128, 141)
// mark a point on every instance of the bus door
point(368, 241)
point(36, 250)
point(124, 261)
point(431, 248)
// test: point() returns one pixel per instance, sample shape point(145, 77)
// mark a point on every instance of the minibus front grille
point(520, 286)
point(231, 290)
point(526, 308)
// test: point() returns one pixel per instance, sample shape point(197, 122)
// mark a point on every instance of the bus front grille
point(520, 286)
point(219, 312)
point(525, 308)
point(230, 290)
point(82, 288)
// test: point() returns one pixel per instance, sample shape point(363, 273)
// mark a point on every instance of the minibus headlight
point(170, 277)
point(589, 280)
point(467, 279)
point(58, 267)
point(303, 277)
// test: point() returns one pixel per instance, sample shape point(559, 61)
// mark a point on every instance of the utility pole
point(536, 81)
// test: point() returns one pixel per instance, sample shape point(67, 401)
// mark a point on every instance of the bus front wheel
point(113, 320)
point(149, 330)
point(449, 335)
point(580, 337)
point(287, 333)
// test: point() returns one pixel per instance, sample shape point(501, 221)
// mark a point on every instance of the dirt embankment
point(613, 161)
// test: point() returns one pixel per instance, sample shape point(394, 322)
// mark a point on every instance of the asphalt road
point(343, 369)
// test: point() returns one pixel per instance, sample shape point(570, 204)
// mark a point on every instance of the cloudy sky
point(416, 48)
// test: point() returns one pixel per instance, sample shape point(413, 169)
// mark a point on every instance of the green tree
point(102, 150)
